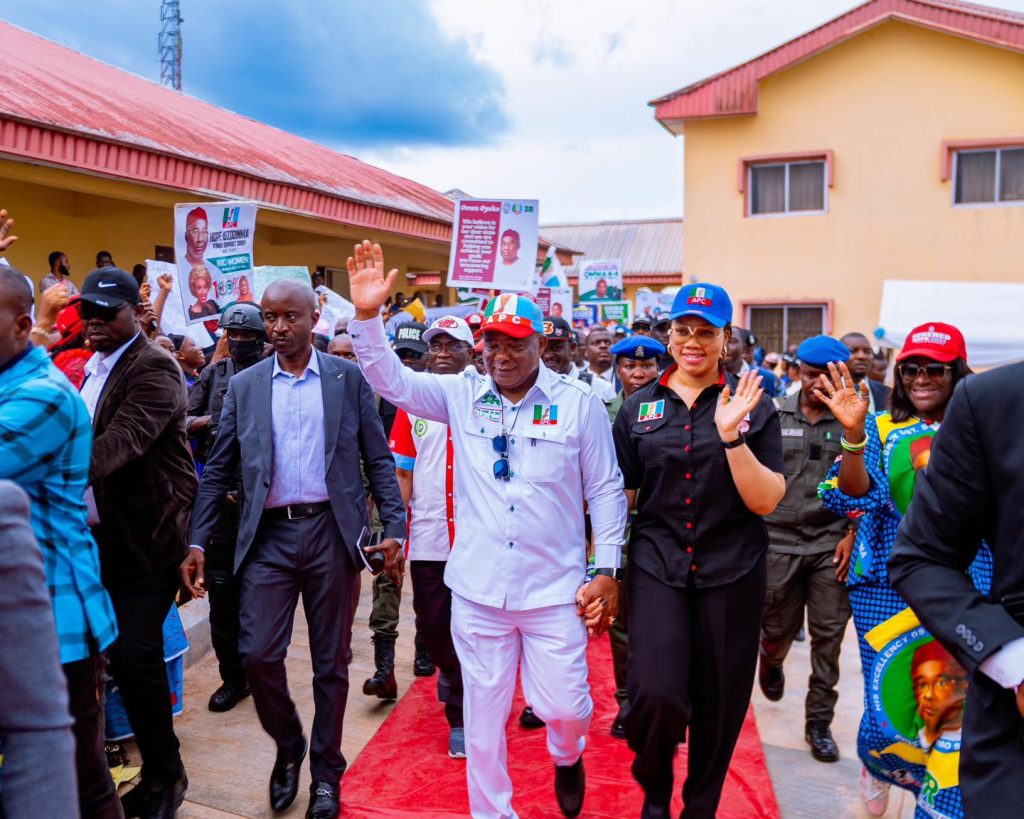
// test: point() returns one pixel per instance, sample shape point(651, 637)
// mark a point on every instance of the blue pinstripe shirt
point(45, 445)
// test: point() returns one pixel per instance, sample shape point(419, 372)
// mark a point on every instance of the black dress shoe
point(227, 697)
point(823, 747)
point(619, 723)
point(772, 680)
point(530, 720)
point(284, 780)
point(570, 785)
point(654, 810)
point(155, 800)
point(324, 801)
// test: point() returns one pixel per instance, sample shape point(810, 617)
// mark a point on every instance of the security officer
point(561, 351)
point(809, 552)
point(636, 365)
point(701, 457)
point(243, 323)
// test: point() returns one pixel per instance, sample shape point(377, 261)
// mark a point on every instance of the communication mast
point(169, 43)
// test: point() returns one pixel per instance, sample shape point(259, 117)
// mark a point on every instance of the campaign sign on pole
point(655, 306)
point(494, 244)
point(583, 315)
point(600, 280)
point(555, 301)
point(213, 245)
point(615, 311)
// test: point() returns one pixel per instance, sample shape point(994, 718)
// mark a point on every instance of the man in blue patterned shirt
point(45, 444)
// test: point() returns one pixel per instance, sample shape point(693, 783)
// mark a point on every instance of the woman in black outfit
point(701, 454)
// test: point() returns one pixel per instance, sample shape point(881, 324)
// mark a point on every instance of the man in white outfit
point(532, 446)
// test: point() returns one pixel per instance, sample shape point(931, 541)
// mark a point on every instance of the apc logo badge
point(230, 218)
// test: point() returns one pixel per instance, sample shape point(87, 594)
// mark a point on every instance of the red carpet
point(405, 772)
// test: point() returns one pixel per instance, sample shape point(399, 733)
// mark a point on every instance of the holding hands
point(597, 602)
point(369, 286)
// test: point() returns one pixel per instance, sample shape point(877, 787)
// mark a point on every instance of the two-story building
point(867, 174)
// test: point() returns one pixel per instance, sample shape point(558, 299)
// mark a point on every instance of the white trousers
point(551, 644)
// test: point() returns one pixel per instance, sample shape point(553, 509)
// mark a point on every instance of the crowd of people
point(542, 488)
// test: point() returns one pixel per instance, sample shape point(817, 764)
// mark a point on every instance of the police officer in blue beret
point(808, 553)
point(636, 363)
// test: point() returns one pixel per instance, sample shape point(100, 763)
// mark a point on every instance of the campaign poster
point(172, 320)
point(213, 246)
point(656, 306)
point(333, 308)
point(494, 244)
point(600, 279)
point(267, 273)
point(554, 301)
point(616, 312)
point(583, 315)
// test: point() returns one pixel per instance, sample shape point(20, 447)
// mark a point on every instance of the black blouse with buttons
point(691, 524)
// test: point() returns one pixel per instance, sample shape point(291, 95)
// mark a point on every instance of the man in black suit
point(143, 481)
point(297, 424)
point(861, 358)
point(973, 491)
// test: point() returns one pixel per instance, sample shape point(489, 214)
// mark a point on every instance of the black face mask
point(245, 353)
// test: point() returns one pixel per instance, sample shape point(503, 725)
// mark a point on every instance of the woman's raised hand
point(849, 402)
point(732, 409)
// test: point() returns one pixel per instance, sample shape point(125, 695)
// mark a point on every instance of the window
point(781, 326)
point(989, 177)
point(162, 253)
point(788, 187)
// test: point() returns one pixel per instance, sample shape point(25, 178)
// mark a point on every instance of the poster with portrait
point(584, 315)
point(213, 244)
point(494, 244)
point(555, 301)
point(172, 320)
point(656, 306)
point(600, 279)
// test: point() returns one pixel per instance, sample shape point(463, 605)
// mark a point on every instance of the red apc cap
point(936, 341)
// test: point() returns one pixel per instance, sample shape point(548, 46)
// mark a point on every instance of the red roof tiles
point(60, 107)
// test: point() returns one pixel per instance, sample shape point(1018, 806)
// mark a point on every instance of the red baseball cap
point(934, 340)
point(69, 320)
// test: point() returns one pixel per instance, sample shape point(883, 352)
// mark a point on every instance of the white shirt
point(1006, 666)
point(424, 448)
point(97, 370)
point(298, 474)
point(519, 544)
point(603, 388)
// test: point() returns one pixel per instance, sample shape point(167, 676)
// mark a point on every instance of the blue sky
point(337, 71)
point(540, 99)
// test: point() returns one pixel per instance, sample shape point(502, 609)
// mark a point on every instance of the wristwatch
point(740, 441)
point(615, 574)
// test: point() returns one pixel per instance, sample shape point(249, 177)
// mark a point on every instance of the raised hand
point(732, 409)
point(166, 282)
point(369, 287)
point(6, 240)
point(849, 403)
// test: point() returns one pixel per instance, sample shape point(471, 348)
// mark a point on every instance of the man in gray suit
point(38, 776)
point(298, 424)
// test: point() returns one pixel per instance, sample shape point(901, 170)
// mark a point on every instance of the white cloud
point(578, 75)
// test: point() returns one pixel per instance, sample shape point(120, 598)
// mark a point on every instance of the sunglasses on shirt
point(936, 371)
point(502, 468)
point(88, 311)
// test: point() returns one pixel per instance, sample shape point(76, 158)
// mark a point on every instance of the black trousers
point(137, 667)
point(289, 558)
point(992, 756)
point(97, 796)
point(795, 582)
point(224, 600)
point(432, 602)
point(692, 657)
